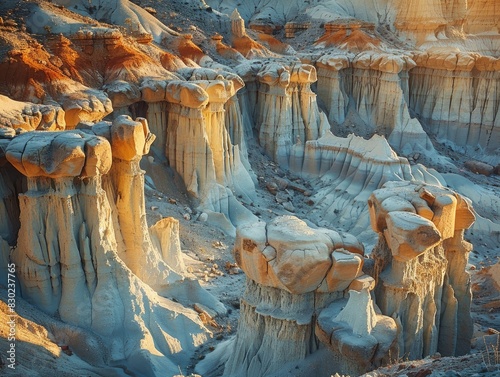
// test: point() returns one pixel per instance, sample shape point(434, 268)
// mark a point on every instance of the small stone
point(288, 206)
point(272, 188)
point(186, 216)
point(281, 182)
point(234, 271)
point(172, 201)
point(479, 167)
point(203, 217)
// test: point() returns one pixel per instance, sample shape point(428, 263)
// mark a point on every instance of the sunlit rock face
point(375, 86)
point(482, 17)
point(420, 265)
point(454, 94)
point(16, 116)
point(358, 335)
point(80, 257)
point(201, 131)
point(419, 20)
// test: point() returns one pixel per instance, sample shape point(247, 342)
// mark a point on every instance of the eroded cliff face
point(283, 106)
point(345, 172)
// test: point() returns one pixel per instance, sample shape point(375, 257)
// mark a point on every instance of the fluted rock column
point(331, 85)
point(418, 265)
point(200, 150)
point(54, 250)
point(287, 112)
point(418, 20)
point(482, 17)
point(237, 24)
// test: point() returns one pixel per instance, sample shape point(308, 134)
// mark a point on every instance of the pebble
point(288, 206)
point(272, 188)
point(234, 271)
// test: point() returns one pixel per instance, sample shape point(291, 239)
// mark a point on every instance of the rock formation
point(375, 85)
point(420, 265)
point(285, 111)
point(467, 114)
point(297, 278)
point(37, 76)
point(199, 148)
point(359, 336)
point(81, 102)
point(293, 272)
point(346, 171)
point(482, 17)
point(22, 116)
point(81, 252)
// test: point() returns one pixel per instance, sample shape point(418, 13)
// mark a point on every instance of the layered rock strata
point(35, 75)
point(292, 272)
point(201, 132)
point(420, 265)
point(199, 148)
point(419, 20)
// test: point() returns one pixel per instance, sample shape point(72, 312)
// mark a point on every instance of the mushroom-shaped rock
point(355, 332)
point(59, 154)
point(419, 266)
point(218, 91)
point(128, 138)
point(303, 73)
point(88, 105)
point(274, 74)
point(289, 255)
point(122, 93)
point(409, 235)
point(153, 90)
point(186, 94)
